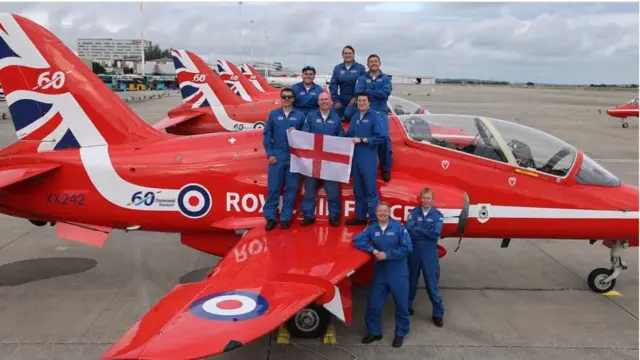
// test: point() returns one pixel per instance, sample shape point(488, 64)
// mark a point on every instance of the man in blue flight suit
point(325, 121)
point(390, 244)
point(378, 86)
point(344, 79)
point(425, 226)
point(276, 145)
point(307, 91)
point(366, 132)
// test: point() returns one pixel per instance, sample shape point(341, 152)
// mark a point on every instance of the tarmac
point(62, 300)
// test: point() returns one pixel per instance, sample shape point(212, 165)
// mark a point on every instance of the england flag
point(321, 156)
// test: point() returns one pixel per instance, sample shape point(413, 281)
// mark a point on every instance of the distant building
point(273, 69)
point(158, 66)
point(106, 51)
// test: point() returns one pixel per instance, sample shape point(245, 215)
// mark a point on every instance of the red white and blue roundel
point(194, 201)
point(230, 306)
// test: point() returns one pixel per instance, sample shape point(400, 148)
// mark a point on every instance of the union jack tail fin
point(199, 85)
point(255, 77)
point(55, 100)
point(235, 81)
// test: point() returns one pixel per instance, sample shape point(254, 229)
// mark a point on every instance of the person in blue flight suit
point(307, 91)
point(325, 121)
point(390, 244)
point(378, 85)
point(344, 79)
point(425, 226)
point(366, 132)
point(276, 145)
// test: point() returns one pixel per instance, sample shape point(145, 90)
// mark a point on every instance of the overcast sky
point(540, 42)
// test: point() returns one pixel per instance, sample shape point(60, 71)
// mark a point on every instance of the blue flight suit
point(389, 274)
point(425, 232)
point(314, 123)
point(345, 80)
point(365, 162)
point(276, 144)
point(379, 91)
point(306, 101)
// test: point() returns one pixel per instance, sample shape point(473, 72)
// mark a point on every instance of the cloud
point(550, 42)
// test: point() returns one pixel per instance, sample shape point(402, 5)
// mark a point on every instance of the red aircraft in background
point(233, 76)
point(210, 106)
point(87, 163)
point(624, 111)
point(256, 79)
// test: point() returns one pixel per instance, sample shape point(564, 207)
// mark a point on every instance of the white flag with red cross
point(321, 156)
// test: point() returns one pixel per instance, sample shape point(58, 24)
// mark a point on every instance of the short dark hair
point(309, 67)
point(287, 89)
point(362, 93)
point(373, 55)
point(348, 47)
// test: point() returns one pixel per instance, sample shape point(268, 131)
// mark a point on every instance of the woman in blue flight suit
point(344, 78)
point(389, 242)
point(425, 227)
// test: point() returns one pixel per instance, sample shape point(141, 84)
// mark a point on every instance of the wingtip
point(232, 345)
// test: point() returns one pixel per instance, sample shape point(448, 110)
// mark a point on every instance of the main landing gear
point(602, 280)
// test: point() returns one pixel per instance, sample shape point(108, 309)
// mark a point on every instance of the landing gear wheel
point(625, 125)
point(596, 280)
point(310, 322)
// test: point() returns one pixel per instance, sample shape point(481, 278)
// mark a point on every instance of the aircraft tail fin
point(55, 100)
point(199, 85)
point(236, 82)
point(254, 76)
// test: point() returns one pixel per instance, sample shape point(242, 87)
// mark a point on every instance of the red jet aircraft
point(256, 79)
point(209, 105)
point(87, 163)
point(624, 111)
point(232, 75)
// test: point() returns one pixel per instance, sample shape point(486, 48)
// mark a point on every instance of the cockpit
point(633, 102)
point(400, 106)
point(505, 142)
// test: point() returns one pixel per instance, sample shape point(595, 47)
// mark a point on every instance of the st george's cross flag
point(321, 156)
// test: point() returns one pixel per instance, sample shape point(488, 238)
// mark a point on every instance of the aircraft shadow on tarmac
point(196, 275)
point(26, 271)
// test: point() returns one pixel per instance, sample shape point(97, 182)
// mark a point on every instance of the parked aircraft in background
point(624, 111)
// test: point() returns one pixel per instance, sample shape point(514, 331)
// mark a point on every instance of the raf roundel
point(194, 201)
point(230, 306)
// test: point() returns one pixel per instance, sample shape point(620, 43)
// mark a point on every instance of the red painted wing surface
point(261, 283)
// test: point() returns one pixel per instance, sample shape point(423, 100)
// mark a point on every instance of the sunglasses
point(286, 97)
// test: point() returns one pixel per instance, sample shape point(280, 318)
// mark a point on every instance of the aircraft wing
point(261, 283)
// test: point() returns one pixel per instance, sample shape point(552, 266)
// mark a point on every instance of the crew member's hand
point(272, 160)
point(365, 140)
point(356, 140)
point(291, 128)
point(380, 256)
point(353, 101)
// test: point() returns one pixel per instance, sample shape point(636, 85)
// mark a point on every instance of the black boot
point(270, 225)
point(397, 341)
point(370, 338)
point(355, 221)
point(307, 221)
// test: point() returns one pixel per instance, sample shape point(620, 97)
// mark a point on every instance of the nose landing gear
point(602, 280)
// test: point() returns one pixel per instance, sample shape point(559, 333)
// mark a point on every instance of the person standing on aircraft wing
point(378, 86)
point(344, 79)
point(276, 145)
point(425, 226)
point(390, 244)
point(307, 91)
point(325, 121)
point(366, 132)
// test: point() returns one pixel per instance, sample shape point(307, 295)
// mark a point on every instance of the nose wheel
point(625, 124)
point(603, 280)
